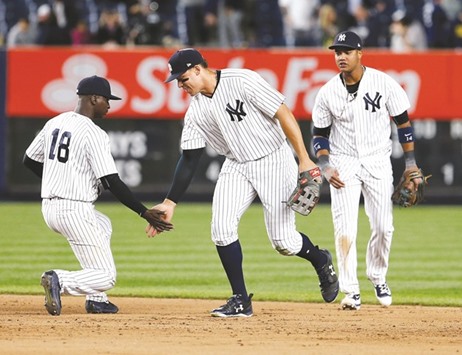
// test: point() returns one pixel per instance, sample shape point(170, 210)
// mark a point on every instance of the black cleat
point(100, 307)
point(234, 307)
point(328, 281)
point(50, 283)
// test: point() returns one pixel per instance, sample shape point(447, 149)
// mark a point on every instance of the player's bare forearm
point(293, 133)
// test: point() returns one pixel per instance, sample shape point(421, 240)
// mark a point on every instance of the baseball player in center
point(351, 138)
point(237, 113)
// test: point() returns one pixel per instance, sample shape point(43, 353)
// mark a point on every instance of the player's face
point(347, 60)
point(101, 107)
point(188, 81)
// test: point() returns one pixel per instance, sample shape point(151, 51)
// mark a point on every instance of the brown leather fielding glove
point(407, 193)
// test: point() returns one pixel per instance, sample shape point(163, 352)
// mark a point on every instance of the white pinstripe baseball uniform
point(237, 113)
point(75, 153)
point(360, 148)
point(259, 160)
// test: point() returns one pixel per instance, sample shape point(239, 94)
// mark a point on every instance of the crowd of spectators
point(398, 25)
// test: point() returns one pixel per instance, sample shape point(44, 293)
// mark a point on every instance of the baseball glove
point(407, 193)
point(155, 219)
point(306, 195)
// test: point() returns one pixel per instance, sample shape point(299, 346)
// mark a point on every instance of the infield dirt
point(184, 326)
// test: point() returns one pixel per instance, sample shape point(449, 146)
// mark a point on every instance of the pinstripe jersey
point(238, 120)
point(360, 127)
point(75, 153)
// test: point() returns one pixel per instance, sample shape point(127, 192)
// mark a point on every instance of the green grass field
point(425, 265)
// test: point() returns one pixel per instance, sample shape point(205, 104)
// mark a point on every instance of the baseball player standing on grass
point(72, 155)
point(243, 118)
point(351, 138)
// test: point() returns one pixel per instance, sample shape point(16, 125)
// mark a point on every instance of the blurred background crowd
point(398, 25)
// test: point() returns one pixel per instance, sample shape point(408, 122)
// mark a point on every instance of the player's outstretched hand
point(167, 208)
point(156, 219)
point(151, 231)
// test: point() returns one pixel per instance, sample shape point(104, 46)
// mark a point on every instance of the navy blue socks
point(311, 253)
point(231, 259)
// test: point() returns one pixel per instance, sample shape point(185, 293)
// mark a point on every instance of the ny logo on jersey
point(375, 103)
point(236, 112)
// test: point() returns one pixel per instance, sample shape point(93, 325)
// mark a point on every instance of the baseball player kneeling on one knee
point(72, 155)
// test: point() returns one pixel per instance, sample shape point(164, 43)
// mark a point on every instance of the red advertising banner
point(41, 82)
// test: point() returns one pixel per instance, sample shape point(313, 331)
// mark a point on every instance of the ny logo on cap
point(341, 37)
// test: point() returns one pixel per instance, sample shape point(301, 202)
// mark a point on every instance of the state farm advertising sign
point(41, 82)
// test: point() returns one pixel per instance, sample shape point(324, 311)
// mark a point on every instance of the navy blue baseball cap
point(183, 60)
point(96, 85)
point(347, 39)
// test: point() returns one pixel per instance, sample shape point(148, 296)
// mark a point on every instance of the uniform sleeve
point(321, 114)
point(191, 137)
point(184, 172)
point(123, 193)
point(397, 102)
point(266, 98)
point(35, 166)
point(99, 154)
point(36, 151)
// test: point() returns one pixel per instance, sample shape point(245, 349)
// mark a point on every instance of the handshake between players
point(162, 215)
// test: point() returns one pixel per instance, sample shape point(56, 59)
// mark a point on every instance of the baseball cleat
point(50, 283)
point(100, 307)
point(351, 302)
point(328, 281)
point(235, 307)
point(383, 294)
